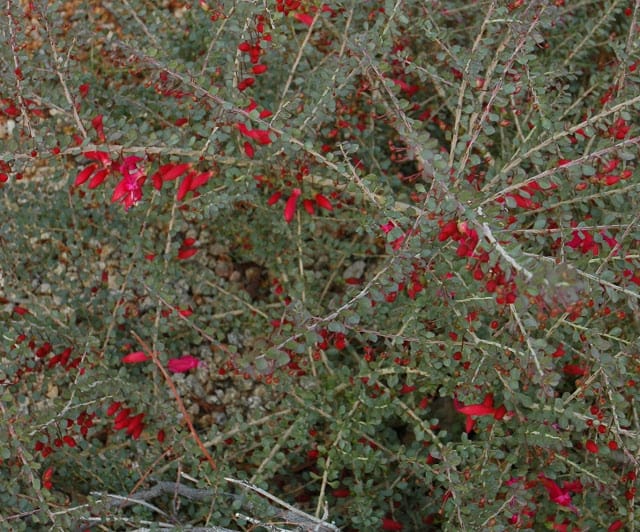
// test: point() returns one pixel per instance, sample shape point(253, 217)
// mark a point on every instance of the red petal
point(157, 180)
point(308, 206)
point(574, 369)
point(173, 171)
point(200, 180)
point(135, 434)
point(98, 178)
point(305, 18)
point(185, 186)
point(290, 207)
point(488, 400)
point(120, 191)
point(476, 410)
point(468, 424)
point(122, 417)
point(101, 156)
point(84, 174)
point(113, 408)
point(248, 150)
point(261, 136)
point(500, 412)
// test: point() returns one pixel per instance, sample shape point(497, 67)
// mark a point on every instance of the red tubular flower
point(609, 180)
point(113, 408)
point(101, 156)
point(122, 416)
point(305, 18)
point(557, 494)
point(135, 358)
point(174, 171)
point(168, 172)
point(290, 207)
point(186, 252)
point(248, 150)
point(185, 185)
point(391, 524)
point(591, 446)
point(323, 202)
point(183, 364)
point(200, 180)
point(615, 526)
point(46, 478)
point(485, 408)
point(308, 206)
point(129, 189)
point(97, 125)
point(407, 389)
point(261, 136)
point(134, 423)
point(273, 199)
point(137, 431)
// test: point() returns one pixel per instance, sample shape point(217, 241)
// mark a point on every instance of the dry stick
point(619, 79)
point(150, 469)
point(177, 397)
point(575, 162)
point(14, 49)
point(475, 123)
point(65, 88)
point(220, 438)
point(238, 299)
point(550, 140)
point(195, 327)
point(591, 277)
point(465, 82)
point(325, 474)
point(292, 509)
point(597, 22)
point(532, 351)
point(615, 249)
point(281, 439)
point(296, 62)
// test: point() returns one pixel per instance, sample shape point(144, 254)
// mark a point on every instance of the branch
point(178, 399)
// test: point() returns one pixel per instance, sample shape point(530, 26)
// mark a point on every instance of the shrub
point(298, 263)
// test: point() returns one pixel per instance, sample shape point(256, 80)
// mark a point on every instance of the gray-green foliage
point(481, 252)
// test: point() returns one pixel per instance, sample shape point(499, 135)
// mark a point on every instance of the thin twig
point(177, 397)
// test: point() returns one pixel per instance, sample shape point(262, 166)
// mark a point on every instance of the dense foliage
point(377, 261)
